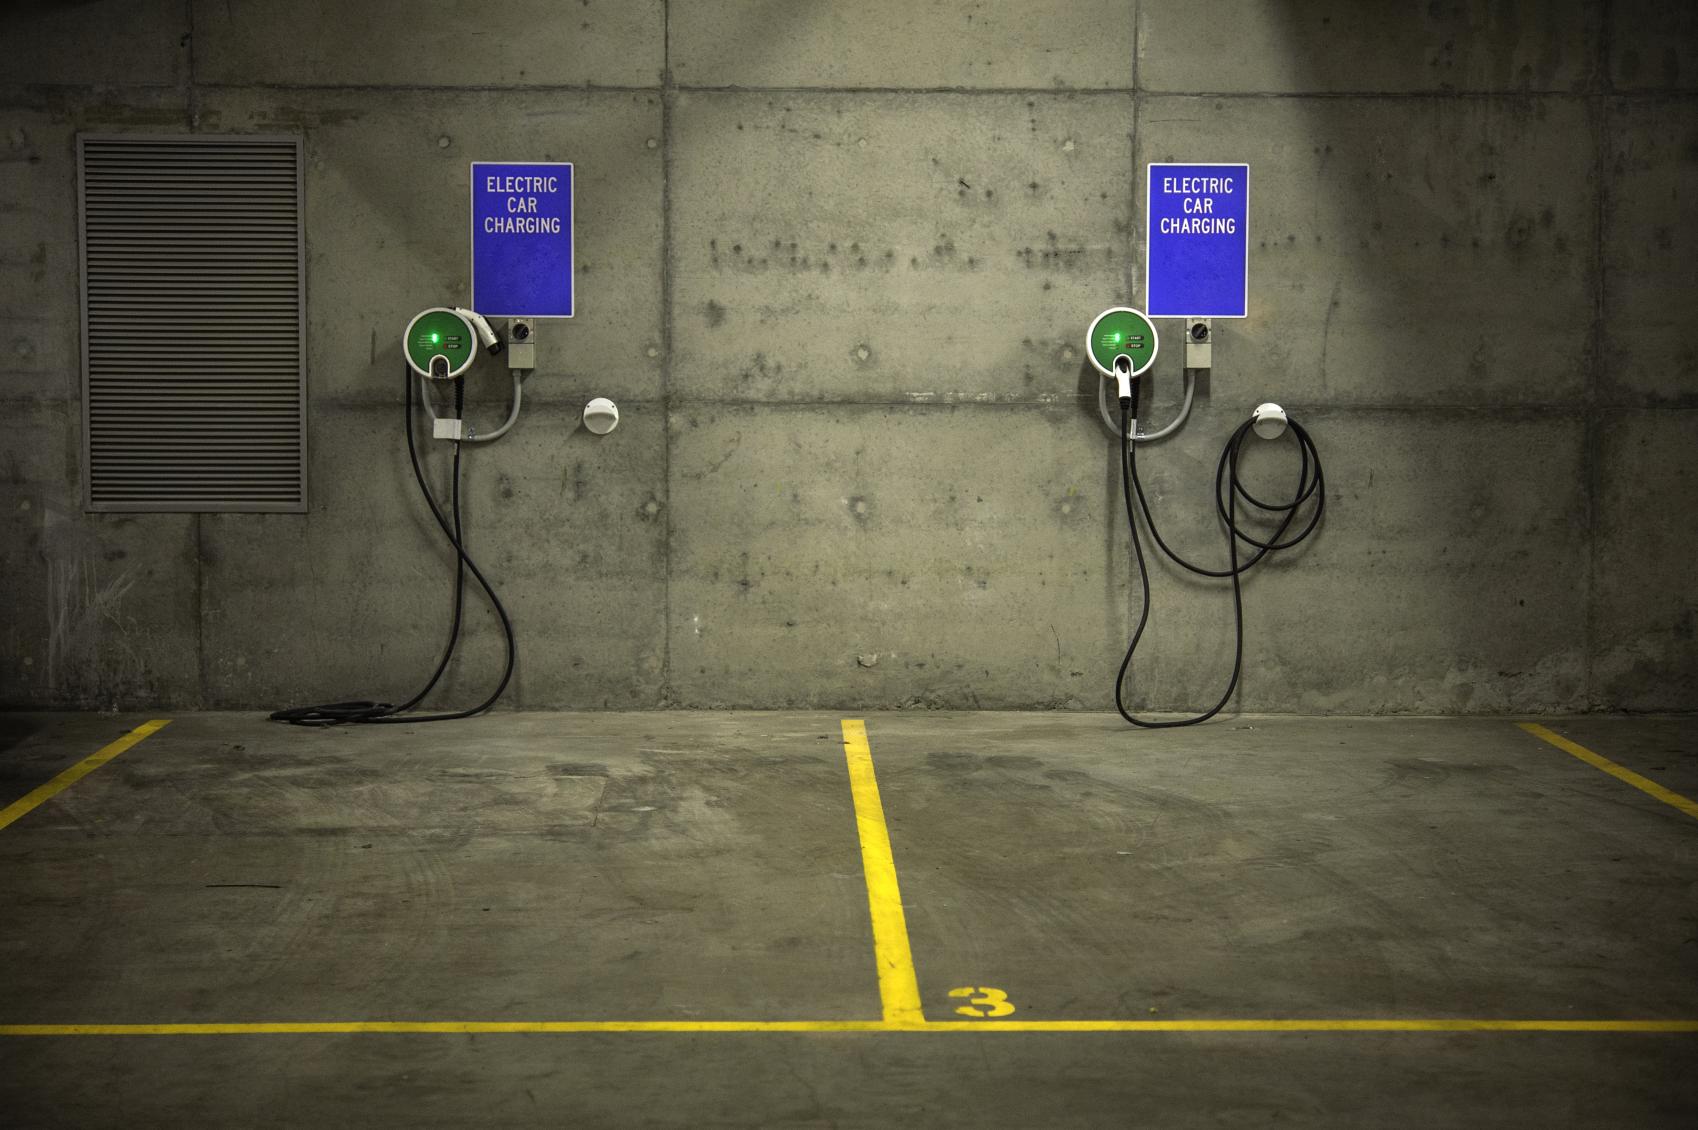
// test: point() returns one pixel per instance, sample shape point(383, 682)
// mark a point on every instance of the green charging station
point(440, 333)
point(1121, 331)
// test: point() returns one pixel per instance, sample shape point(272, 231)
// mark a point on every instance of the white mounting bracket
point(1269, 420)
point(601, 415)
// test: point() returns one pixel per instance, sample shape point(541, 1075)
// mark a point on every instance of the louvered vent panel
point(193, 309)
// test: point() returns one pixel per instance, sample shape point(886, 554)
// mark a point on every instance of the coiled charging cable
point(336, 713)
point(1229, 488)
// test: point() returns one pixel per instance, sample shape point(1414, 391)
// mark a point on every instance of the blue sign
point(1197, 249)
point(522, 240)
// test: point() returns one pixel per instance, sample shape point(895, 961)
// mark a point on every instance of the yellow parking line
point(1619, 772)
point(500, 1027)
point(898, 987)
point(439, 1027)
point(29, 803)
point(1376, 1025)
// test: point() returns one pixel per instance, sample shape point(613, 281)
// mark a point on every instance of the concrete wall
point(835, 263)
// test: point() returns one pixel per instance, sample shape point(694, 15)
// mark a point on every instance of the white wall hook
point(601, 415)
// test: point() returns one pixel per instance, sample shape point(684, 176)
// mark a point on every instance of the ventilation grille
point(193, 305)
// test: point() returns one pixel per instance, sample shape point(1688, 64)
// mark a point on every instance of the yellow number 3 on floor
point(983, 1002)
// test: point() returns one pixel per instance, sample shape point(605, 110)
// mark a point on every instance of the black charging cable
point(336, 713)
point(1229, 488)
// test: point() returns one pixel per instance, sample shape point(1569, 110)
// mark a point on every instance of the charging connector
point(481, 324)
point(1123, 379)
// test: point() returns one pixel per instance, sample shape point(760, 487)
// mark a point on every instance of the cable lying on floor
point(335, 713)
point(1229, 488)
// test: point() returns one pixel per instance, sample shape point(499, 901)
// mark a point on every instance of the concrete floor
point(699, 867)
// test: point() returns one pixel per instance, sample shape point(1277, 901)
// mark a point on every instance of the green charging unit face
point(440, 333)
point(1122, 332)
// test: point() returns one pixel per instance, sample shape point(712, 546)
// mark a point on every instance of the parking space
point(796, 919)
point(1285, 868)
point(678, 867)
